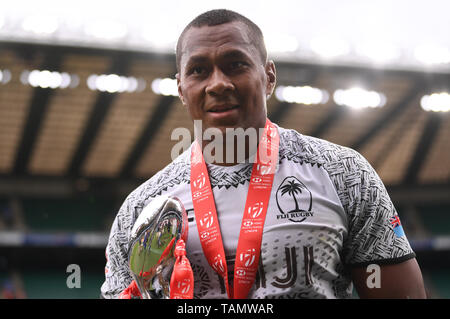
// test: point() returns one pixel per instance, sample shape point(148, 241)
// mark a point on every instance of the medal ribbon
point(250, 236)
point(182, 280)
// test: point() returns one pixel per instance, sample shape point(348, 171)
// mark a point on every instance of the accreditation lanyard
point(250, 236)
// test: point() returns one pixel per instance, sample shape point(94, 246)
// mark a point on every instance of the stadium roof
point(405, 34)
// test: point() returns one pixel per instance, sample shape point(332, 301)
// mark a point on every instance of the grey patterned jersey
point(328, 211)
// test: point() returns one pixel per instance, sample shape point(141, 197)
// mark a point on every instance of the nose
point(219, 83)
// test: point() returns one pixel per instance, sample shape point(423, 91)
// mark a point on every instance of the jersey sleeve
point(117, 274)
point(375, 232)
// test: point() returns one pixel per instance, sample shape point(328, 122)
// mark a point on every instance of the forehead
point(209, 40)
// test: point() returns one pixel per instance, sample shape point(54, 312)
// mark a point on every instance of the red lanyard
point(182, 279)
point(250, 236)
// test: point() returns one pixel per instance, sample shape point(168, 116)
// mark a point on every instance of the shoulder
point(351, 175)
point(333, 157)
point(175, 173)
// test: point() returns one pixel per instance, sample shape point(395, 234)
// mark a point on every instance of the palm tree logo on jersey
point(294, 200)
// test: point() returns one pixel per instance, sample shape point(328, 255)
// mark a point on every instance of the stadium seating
point(67, 214)
point(48, 284)
point(436, 218)
point(440, 279)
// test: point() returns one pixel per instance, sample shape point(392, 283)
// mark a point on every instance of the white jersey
point(328, 211)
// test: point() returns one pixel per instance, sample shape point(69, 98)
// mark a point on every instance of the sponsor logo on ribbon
point(197, 194)
point(218, 264)
point(256, 179)
point(256, 210)
point(248, 223)
point(271, 131)
point(248, 257)
point(240, 272)
point(207, 220)
point(200, 181)
point(184, 285)
point(205, 235)
point(263, 169)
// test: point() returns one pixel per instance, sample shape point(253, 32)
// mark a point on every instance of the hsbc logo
point(207, 220)
point(248, 223)
point(256, 179)
point(256, 210)
point(248, 257)
point(240, 272)
point(197, 194)
point(204, 235)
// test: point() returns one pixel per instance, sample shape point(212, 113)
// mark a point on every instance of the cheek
point(192, 99)
point(188, 95)
point(191, 92)
point(256, 94)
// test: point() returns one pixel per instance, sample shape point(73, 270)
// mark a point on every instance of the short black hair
point(222, 16)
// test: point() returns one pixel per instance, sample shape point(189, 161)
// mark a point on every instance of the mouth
point(222, 108)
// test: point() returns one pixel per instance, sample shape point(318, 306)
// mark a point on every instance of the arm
point(117, 275)
point(376, 236)
point(402, 280)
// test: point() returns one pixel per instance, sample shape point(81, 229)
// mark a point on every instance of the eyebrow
point(235, 54)
point(227, 55)
point(196, 59)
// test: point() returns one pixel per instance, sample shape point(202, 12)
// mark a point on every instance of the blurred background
point(88, 102)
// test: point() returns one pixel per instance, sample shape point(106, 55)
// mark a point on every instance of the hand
point(131, 292)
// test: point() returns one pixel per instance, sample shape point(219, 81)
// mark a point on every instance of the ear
point(180, 92)
point(271, 75)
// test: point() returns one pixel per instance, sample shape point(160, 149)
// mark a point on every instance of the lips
point(222, 108)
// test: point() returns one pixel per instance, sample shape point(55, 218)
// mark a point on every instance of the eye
point(238, 64)
point(196, 70)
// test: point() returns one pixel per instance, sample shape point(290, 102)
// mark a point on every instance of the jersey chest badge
point(294, 200)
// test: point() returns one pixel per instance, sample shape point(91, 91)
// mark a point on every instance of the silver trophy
point(153, 239)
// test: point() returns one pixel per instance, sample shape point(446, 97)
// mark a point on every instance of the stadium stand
point(66, 214)
point(440, 279)
point(58, 232)
point(48, 284)
point(435, 218)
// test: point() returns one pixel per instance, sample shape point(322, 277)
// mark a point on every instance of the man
point(326, 216)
